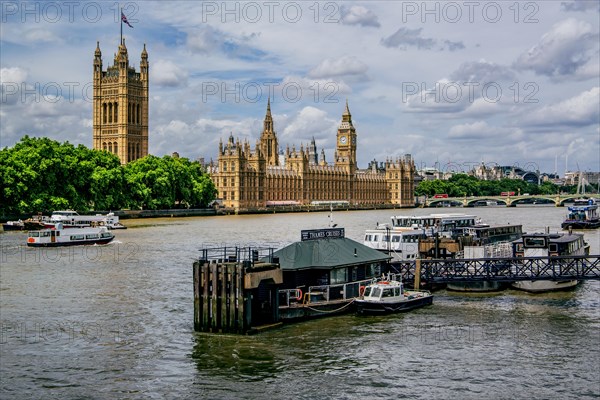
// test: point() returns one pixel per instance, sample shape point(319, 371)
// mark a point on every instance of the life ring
point(299, 296)
point(30, 240)
point(361, 290)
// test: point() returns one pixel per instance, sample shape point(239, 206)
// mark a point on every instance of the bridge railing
point(502, 269)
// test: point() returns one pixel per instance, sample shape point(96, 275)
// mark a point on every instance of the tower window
point(110, 113)
point(116, 148)
point(104, 113)
point(116, 112)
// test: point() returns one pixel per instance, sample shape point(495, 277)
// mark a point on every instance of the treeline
point(42, 175)
point(461, 185)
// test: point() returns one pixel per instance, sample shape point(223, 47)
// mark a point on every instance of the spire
point(346, 116)
point(144, 52)
point(268, 124)
point(98, 53)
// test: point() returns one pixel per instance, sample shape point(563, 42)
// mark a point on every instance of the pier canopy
point(327, 253)
point(326, 257)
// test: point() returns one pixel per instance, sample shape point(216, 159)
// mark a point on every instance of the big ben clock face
point(343, 140)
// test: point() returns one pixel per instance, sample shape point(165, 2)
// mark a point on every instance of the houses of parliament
point(247, 178)
point(262, 177)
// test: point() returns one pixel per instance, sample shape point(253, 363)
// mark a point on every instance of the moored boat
point(549, 245)
point(13, 225)
point(58, 236)
point(71, 219)
point(582, 215)
point(389, 296)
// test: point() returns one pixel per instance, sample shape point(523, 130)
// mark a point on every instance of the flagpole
point(121, 18)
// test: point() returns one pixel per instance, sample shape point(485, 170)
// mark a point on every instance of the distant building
point(262, 177)
point(120, 106)
point(497, 172)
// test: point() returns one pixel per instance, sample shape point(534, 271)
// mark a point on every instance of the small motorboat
point(389, 296)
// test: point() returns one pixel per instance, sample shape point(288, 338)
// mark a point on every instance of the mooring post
point(417, 274)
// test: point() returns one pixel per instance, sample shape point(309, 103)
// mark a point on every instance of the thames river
point(116, 322)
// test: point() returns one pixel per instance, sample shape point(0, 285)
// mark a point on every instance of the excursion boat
point(389, 296)
point(401, 239)
point(549, 245)
point(59, 236)
point(71, 219)
point(476, 242)
point(583, 214)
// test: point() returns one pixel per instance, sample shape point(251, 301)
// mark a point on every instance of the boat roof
point(328, 253)
point(559, 237)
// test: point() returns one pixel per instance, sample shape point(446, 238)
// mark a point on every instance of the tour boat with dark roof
point(58, 236)
point(549, 245)
point(388, 296)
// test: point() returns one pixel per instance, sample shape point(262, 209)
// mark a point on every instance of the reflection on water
point(116, 322)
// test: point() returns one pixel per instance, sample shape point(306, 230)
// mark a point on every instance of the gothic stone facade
point(247, 178)
point(120, 115)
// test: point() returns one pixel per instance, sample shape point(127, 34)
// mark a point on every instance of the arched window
point(116, 112)
point(139, 115)
point(110, 113)
point(110, 147)
point(104, 113)
point(116, 148)
point(129, 113)
point(104, 147)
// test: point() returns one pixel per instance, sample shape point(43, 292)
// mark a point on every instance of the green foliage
point(461, 185)
point(42, 175)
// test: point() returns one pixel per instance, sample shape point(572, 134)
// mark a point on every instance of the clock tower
point(346, 142)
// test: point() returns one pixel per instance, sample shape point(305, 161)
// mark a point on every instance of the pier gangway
point(432, 271)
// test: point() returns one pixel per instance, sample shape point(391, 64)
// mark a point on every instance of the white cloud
point(565, 50)
point(580, 110)
point(581, 5)
point(343, 66)
point(13, 75)
point(359, 15)
point(308, 123)
point(167, 73)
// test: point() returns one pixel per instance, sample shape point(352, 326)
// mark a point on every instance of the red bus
point(440, 196)
point(507, 194)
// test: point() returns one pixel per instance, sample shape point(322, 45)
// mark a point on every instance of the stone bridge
point(509, 201)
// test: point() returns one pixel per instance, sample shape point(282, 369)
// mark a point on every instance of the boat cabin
point(550, 244)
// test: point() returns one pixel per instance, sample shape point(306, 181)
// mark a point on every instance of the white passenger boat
point(549, 245)
point(71, 219)
point(389, 296)
point(58, 236)
point(401, 239)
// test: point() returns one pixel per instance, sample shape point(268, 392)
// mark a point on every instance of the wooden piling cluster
point(219, 297)
point(227, 289)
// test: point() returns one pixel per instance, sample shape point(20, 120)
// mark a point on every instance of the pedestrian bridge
point(509, 201)
point(500, 269)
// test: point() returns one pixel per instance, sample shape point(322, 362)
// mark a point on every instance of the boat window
point(396, 238)
point(553, 247)
point(367, 238)
point(76, 237)
point(386, 238)
point(535, 242)
point(92, 236)
point(106, 234)
point(397, 291)
point(45, 234)
point(376, 238)
point(338, 276)
point(388, 292)
point(376, 292)
point(34, 234)
point(367, 291)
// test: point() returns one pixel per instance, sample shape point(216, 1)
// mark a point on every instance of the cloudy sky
point(453, 83)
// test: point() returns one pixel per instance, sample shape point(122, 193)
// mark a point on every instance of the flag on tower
point(124, 19)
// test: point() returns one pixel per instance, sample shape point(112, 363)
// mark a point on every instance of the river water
point(116, 321)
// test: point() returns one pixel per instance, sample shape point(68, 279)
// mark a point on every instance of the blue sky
point(453, 83)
